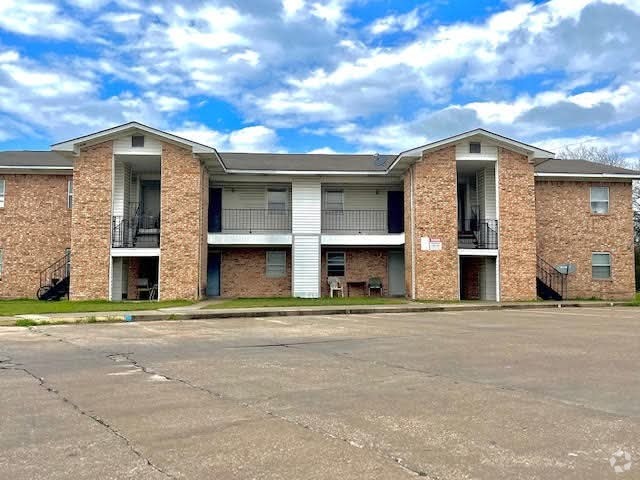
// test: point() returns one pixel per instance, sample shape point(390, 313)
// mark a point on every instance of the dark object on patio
point(375, 283)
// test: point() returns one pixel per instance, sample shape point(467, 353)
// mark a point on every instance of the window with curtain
point(600, 200)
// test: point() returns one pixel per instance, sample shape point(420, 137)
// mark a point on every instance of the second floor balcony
point(362, 222)
point(251, 220)
point(135, 231)
point(478, 233)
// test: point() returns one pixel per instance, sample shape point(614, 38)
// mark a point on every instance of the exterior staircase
point(551, 284)
point(55, 280)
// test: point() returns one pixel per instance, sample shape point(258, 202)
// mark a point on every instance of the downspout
point(413, 237)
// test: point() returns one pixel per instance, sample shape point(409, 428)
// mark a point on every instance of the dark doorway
point(213, 274)
point(215, 210)
point(395, 212)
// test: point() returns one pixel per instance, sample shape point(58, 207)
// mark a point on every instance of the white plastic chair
point(335, 285)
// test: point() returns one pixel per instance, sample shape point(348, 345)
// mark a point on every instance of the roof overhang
point(130, 128)
point(407, 157)
point(35, 169)
point(589, 176)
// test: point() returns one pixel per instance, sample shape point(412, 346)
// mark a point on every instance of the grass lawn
point(304, 302)
point(24, 306)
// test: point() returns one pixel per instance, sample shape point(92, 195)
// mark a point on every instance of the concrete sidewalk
point(195, 312)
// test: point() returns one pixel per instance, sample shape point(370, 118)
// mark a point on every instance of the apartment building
point(133, 211)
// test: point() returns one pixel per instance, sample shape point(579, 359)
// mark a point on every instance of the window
point(1, 192)
point(137, 141)
point(475, 147)
point(276, 199)
point(1, 252)
point(70, 194)
point(335, 264)
point(334, 200)
point(600, 200)
point(601, 265)
point(276, 264)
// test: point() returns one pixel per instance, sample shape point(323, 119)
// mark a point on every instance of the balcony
point(135, 231)
point(361, 222)
point(253, 220)
point(478, 234)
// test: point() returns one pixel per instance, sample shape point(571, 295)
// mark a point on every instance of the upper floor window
point(601, 265)
point(334, 200)
point(276, 264)
point(600, 200)
point(137, 141)
point(2, 187)
point(276, 199)
point(335, 264)
point(475, 147)
point(70, 194)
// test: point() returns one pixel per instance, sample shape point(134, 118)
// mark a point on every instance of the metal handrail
point(356, 221)
point(252, 220)
point(551, 276)
point(141, 231)
point(56, 272)
point(478, 233)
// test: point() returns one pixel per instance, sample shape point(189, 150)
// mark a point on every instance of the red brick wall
point(181, 228)
point(91, 222)
point(470, 277)
point(360, 265)
point(243, 274)
point(517, 203)
point(567, 232)
point(435, 200)
point(133, 273)
point(35, 230)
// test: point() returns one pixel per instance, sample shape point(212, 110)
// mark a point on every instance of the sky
point(322, 75)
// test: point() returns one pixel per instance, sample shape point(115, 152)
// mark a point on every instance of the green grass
point(26, 306)
point(305, 302)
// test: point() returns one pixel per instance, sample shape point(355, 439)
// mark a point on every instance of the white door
point(396, 272)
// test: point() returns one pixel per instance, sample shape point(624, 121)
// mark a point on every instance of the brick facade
point(35, 230)
point(243, 273)
point(470, 268)
point(435, 215)
point(360, 265)
point(183, 223)
point(567, 232)
point(91, 222)
point(517, 225)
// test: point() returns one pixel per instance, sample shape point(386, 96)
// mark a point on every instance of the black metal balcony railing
point(355, 221)
point(255, 220)
point(138, 231)
point(478, 233)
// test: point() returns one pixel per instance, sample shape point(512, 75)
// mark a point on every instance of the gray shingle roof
point(33, 159)
point(306, 161)
point(580, 167)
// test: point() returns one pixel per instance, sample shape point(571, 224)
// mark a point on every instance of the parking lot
point(520, 394)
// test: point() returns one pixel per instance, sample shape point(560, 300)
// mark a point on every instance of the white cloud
point(291, 8)
point(257, 138)
point(323, 150)
point(36, 18)
point(331, 11)
point(393, 23)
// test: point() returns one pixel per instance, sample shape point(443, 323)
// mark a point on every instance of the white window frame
point(475, 143)
point(70, 193)
point(3, 190)
point(344, 263)
point(329, 191)
point(600, 265)
point(592, 201)
point(285, 204)
point(276, 267)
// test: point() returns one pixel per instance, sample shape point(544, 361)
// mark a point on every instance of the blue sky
point(322, 75)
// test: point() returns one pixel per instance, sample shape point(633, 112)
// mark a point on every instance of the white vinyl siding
point(2, 192)
point(121, 188)
point(69, 193)
point(276, 264)
point(116, 279)
point(488, 279)
point(122, 146)
point(601, 265)
point(306, 266)
point(336, 264)
point(305, 207)
point(600, 200)
point(490, 193)
point(487, 152)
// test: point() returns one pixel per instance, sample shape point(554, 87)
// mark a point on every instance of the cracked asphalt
point(525, 394)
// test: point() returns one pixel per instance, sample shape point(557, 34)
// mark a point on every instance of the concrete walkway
point(197, 312)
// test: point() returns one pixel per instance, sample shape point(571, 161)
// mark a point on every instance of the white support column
point(306, 204)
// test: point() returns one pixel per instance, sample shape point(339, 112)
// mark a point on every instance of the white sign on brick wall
point(435, 244)
point(425, 243)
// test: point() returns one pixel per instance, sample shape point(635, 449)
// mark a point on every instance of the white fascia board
point(303, 172)
point(532, 152)
point(70, 145)
point(135, 252)
point(248, 239)
point(613, 176)
point(477, 252)
point(391, 239)
point(36, 169)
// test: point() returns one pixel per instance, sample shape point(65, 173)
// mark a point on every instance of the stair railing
point(551, 277)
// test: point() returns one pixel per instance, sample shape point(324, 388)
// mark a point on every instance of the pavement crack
point(413, 471)
point(100, 421)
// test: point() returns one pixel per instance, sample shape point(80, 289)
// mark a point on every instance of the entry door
point(396, 272)
point(213, 274)
point(215, 210)
point(395, 212)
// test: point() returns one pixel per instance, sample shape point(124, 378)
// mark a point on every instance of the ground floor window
point(276, 264)
point(601, 265)
point(335, 264)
